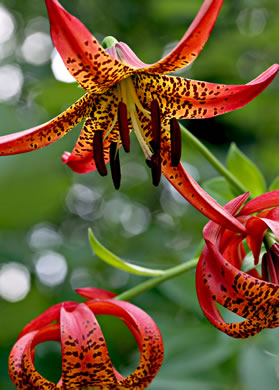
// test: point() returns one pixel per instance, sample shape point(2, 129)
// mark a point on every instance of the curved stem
point(148, 284)
point(212, 160)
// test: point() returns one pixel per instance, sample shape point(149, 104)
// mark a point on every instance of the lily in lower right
point(220, 279)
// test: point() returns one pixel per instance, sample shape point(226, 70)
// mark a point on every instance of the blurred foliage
point(44, 206)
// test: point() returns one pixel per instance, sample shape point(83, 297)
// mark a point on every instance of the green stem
point(148, 284)
point(212, 160)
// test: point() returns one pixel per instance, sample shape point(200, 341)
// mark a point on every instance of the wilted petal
point(43, 135)
point(94, 69)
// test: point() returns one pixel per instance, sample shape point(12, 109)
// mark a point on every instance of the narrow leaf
point(245, 171)
point(113, 260)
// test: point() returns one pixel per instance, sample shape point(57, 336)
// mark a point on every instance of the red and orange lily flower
point(219, 278)
point(123, 93)
point(85, 358)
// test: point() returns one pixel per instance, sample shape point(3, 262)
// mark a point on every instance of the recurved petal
point(21, 366)
point(262, 202)
point(16, 369)
point(102, 117)
point(207, 303)
point(148, 338)
point(47, 317)
point(192, 42)
point(94, 69)
point(43, 135)
point(186, 99)
point(239, 292)
point(85, 358)
point(94, 293)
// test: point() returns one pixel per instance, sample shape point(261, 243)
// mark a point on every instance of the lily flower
point(85, 358)
point(123, 93)
point(220, 278)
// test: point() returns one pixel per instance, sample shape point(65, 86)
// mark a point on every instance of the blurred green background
point(46, 210)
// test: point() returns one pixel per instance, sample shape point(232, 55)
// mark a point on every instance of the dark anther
point(123, 126)
point(115, 165)
point(175, 133)
point(156, 125)
point(155, 165)
point(98, 153)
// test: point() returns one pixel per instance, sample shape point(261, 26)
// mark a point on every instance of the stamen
point(123, 126)
point(156, 125)
point(156, 170)
point(175, 133)
point(115, 165)
point(98, 153)
point(155, 165)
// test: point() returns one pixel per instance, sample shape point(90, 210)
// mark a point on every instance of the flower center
point(132, 115)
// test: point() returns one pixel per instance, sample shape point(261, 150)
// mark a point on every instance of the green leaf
point(111, 259)
point(274, 185)
point(245, 171)
point(219, 189)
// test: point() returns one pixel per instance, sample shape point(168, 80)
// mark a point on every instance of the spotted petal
point(21, 365)
point(85, 358)
point(94, 69)
point(218, 280)
point(43, 135)
point(102, 118)
point(192, 42)
point(186, 99)
point(148, 338)
point(241, 329)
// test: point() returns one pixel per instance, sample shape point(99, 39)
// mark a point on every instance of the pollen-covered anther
point(176, 143)
point(98, 153)
point(115, 165)
point(124, 126)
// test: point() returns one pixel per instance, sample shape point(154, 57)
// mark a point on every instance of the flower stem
point(212, 160)
point(148, 284)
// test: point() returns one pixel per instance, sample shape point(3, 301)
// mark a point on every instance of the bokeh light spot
point(37, 48)
point(7, 25)
point(11, 81)
point(44, 236)
point(14, 282)
point(51, 268)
